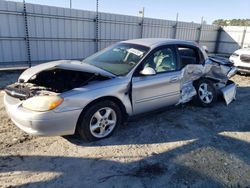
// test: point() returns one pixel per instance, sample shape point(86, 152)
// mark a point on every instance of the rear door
point(192, 61)
point(163, 88)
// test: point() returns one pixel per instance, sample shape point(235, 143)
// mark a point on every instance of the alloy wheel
point(103, 122)
point(205, 93)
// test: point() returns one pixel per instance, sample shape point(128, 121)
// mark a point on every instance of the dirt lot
point(182, 147)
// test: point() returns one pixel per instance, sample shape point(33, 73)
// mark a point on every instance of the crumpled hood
point(221, 60)
point(63, 64)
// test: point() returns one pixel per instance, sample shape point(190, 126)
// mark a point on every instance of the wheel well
point(204, 78)
point(109, 98)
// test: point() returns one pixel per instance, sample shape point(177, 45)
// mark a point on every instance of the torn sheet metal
point(229, 93)
point(187, 92)
point(192, 72)
point(214, 69)
point(189, 74)
point(232, 72)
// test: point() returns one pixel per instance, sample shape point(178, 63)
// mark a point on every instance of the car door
point(151, 92)
point(192, 61)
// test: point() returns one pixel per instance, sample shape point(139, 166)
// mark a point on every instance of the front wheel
point(206, 93)
point(99, 121)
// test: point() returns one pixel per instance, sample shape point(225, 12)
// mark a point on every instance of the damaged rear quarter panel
point(212, 70)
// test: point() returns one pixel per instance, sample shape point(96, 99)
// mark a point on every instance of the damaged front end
point(52, 82)
point(217, 69)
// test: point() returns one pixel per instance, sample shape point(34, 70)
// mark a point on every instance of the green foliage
point(232, 22)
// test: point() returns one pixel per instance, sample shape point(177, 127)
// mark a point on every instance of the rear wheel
point(99, 121)
point(206, 93)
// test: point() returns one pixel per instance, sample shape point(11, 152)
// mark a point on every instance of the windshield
point(118, 59)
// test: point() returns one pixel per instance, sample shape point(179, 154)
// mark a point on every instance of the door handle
point(174, 79)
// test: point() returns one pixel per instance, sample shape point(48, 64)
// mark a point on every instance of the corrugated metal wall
point(59, 33)
point(12, 33)
point(48, 33)
point(234, 37)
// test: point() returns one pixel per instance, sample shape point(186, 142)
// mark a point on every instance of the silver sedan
point(94, 96)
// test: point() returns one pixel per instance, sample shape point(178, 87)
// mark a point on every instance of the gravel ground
point(180, 147)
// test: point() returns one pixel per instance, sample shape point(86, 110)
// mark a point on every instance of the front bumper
point(48, 123)
point(243, 69)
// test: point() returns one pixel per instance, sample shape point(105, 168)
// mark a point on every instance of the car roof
point(155, 42)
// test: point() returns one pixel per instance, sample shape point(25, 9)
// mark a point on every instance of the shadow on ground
point(212, 158)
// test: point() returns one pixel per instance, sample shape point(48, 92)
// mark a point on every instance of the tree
point(232, 22)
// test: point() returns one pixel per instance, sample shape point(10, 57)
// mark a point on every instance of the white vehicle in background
point(241, 59)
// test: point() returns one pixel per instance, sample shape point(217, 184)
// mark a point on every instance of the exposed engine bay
point(51, 82)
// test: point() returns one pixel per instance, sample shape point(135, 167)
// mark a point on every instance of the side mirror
point(147, 71)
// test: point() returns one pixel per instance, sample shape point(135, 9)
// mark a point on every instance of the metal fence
point(30, 34)
point(232, 38)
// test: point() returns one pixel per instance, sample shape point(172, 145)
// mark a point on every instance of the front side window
point(118, 59)
point(163, 60)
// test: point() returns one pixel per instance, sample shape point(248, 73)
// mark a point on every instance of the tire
point(206, 93)
point(99, 121)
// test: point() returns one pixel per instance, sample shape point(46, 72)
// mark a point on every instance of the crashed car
point(241, 59)
point(94, 96)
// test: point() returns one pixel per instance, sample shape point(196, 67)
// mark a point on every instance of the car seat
point(164, 61)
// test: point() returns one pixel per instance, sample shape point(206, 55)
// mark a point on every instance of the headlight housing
point(42, 103)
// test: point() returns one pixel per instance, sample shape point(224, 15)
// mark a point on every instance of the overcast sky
point(189, 10)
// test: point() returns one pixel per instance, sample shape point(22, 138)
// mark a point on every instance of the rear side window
point(188, 56)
